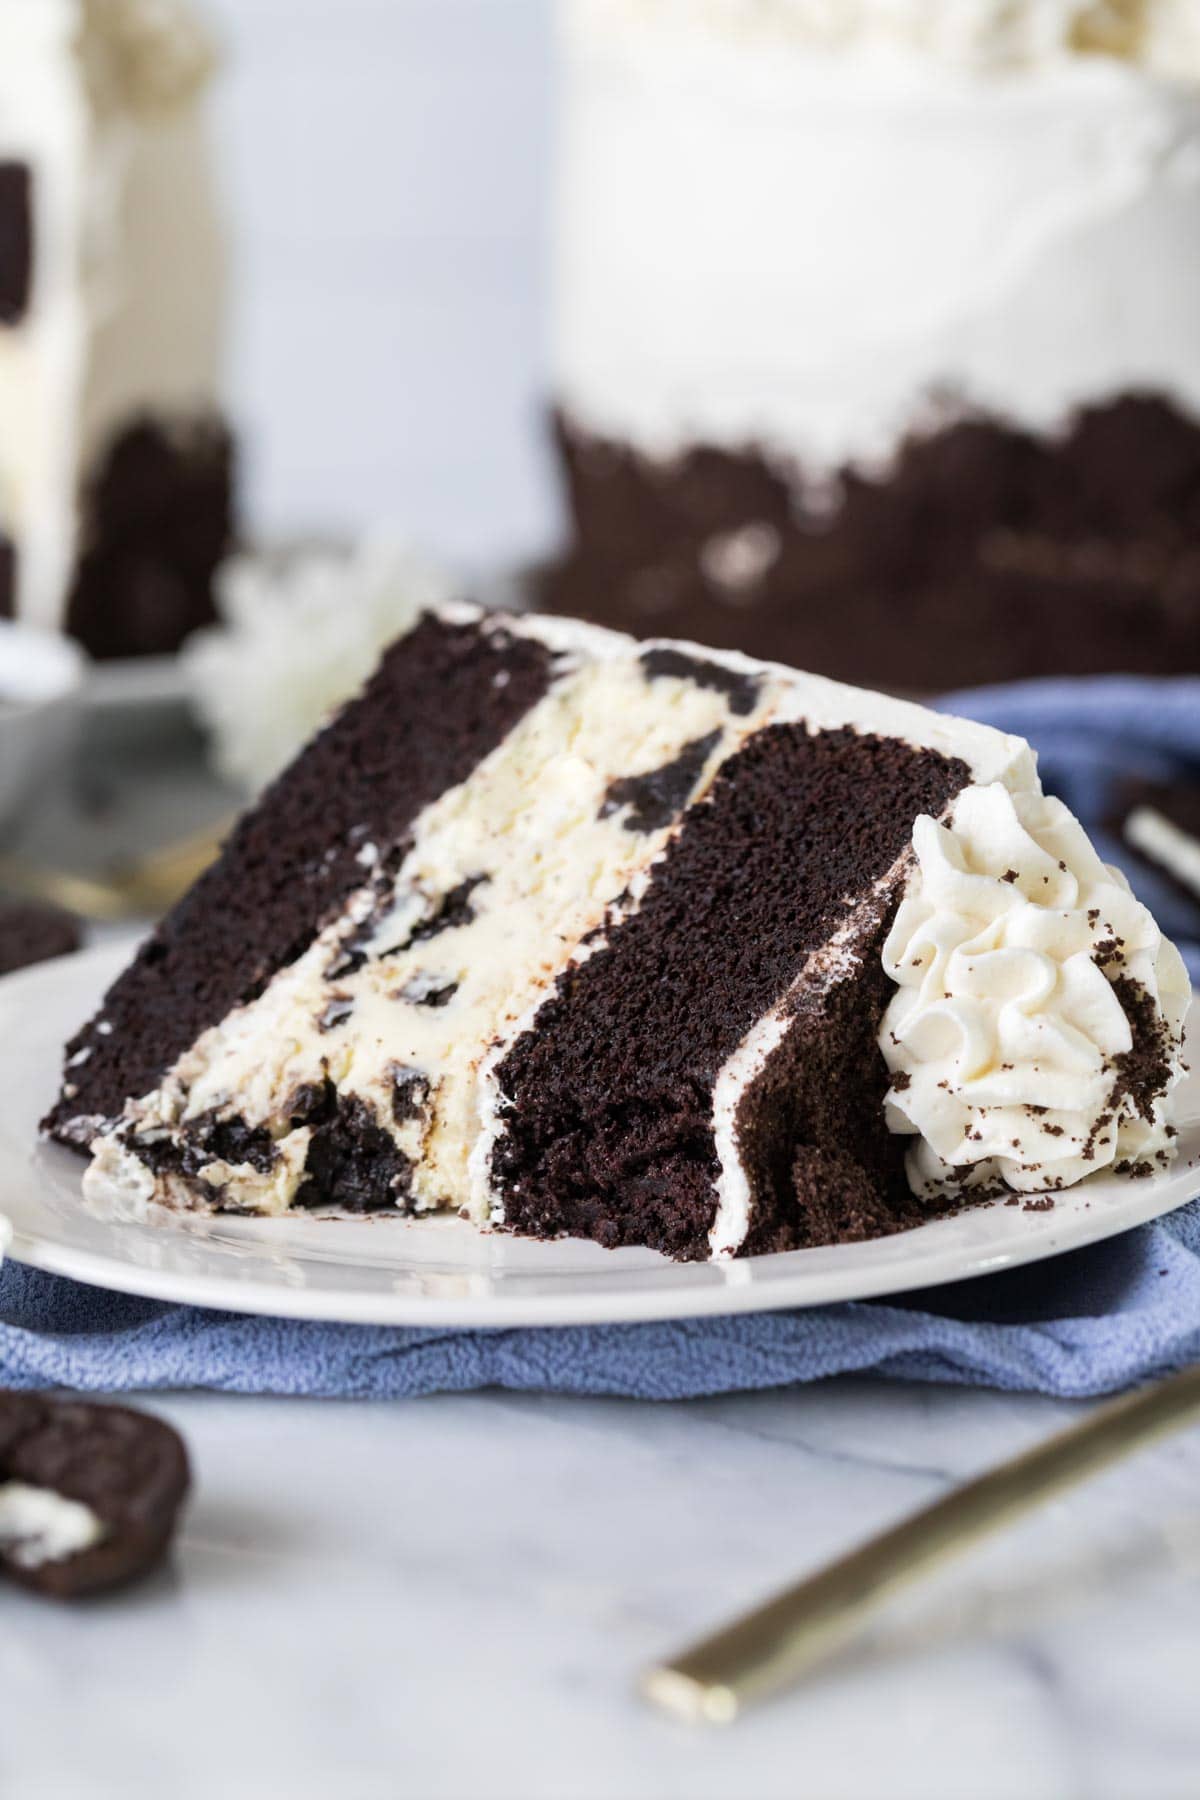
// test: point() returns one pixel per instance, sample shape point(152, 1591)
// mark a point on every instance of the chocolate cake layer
point(156, 522)
point(607, 1099)
point(441, 700)
point(8, 578)
point(822, 1167)
point(32, 933)
point(16, 241)
point(982, 552)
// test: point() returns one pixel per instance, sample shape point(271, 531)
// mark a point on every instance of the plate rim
point(678, 1291)
point(126, 683)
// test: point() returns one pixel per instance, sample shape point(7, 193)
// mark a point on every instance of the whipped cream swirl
point(1019, 957)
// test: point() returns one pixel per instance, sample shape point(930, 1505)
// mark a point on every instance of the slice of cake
point(638, 942)
point(877, 332)
point(115, 468)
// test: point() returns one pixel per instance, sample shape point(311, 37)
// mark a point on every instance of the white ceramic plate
point(443, 1272)
point(136, 681)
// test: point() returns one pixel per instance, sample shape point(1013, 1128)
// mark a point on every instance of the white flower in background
point(299, 634)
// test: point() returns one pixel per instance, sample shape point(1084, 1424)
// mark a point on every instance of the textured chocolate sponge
point(440, 700)
point(157, 520)
point(30, 933)
point(982, 553)
point(608, 1096)
point(16, 240)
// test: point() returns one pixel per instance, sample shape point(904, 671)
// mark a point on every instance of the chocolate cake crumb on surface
point(32, 933)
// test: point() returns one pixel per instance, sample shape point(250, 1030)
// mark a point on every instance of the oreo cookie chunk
point(30, 933)
point(89, 1494)
point(1160, 822)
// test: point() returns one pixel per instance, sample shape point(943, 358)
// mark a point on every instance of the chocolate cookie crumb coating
point(129, 1470)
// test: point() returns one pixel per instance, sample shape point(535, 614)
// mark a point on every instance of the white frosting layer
point(759, 240)
point(39, 1526)
point(128, 267)
point(1006, 1036)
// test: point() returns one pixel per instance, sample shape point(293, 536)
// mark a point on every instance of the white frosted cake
point(878, 324)
point(115, 468)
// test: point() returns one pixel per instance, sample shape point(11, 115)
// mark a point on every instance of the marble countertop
point(451, 1597)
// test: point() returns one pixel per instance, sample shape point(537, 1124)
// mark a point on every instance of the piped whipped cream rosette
point(1038, 1023)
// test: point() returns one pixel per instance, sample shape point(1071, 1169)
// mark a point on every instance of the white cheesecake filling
point(38, 1526)
point(1006, 1035)
point(532, 851)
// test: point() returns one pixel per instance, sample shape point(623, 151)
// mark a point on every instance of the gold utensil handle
point(785, 1638)
point(142, 888)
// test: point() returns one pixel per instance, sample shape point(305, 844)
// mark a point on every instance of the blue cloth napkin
point(1085, 1323)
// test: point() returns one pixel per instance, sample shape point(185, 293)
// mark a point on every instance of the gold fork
point(143, 887)
point(784, 1639)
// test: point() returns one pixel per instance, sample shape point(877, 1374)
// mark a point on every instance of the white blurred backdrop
point(387, 174)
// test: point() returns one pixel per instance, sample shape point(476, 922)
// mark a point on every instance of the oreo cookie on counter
point(89, 1494)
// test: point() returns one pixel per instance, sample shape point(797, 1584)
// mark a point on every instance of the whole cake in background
point(115, 466)
point(638, 942)
point(877, 331)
